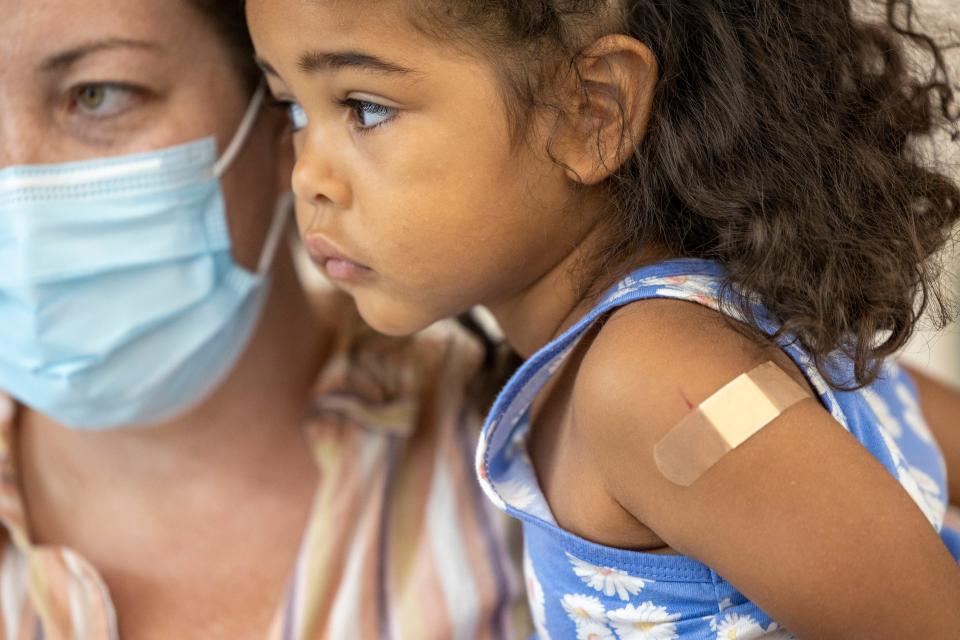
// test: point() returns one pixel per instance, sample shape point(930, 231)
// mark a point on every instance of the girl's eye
point(101, 100)
point(297, 116)
point(370, 115)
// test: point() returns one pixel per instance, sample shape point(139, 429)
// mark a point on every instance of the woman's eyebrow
point(70, 56)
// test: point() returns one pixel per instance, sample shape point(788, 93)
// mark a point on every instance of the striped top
point(400, 543)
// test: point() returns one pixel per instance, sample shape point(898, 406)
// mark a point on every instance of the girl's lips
point(336, 264)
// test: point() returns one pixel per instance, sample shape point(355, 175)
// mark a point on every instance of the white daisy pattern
point(535, 597)
point(606, 580)
point(740, 623)
point(665, 281)
point(483, 477)
point(594, 631)
point(735, 626)
point(776, 632)
point(922, 488)
point(892, 447)
point(697, 289)
point(516, 493)
point(518, 442)
point(925, 492)
point(645, 622)
point(912, 415)
point(883, 413)
point(824, 392)
point(583, 609)
point(626, 287)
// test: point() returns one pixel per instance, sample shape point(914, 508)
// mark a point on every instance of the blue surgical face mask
point(120, 301)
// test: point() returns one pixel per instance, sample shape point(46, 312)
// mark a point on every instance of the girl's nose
point(315, 179)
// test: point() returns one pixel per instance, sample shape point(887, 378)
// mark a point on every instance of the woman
point(297, 478)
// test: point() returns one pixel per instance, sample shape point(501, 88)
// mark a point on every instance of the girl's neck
point(558, 299)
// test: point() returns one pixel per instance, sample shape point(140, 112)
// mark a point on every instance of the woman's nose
point(22, 142)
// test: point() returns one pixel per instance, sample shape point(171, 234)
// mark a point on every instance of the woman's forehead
point(40, 30)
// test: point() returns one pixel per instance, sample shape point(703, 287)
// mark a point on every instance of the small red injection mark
point(690, 405)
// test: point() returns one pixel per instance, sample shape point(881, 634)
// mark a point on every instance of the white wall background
point(939, 352)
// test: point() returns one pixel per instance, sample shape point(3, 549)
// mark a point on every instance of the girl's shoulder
point(654, 360)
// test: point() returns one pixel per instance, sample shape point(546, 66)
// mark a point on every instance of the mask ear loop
point(275, 233)
point(243, 132)
point(279, 222)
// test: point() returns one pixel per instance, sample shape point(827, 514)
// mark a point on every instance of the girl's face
point(84, 79)
point(412, 194)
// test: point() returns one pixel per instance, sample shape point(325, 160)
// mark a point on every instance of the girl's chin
point(392, 319)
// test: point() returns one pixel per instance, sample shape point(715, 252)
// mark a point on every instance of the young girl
point(654, 198)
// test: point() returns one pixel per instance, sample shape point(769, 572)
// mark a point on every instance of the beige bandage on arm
point(724, 421)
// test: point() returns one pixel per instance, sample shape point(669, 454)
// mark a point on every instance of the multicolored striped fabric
point(401, 543)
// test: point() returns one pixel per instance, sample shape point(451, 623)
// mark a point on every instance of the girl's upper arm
point(801, 518)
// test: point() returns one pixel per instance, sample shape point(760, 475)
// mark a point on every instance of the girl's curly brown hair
point(781, 144)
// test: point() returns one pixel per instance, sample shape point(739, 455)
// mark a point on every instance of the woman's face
point(84, 79)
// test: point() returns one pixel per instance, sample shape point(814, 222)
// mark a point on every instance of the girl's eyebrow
point(69, 57)
point(318, 61)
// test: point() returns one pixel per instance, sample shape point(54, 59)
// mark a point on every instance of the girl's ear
point(610, 100)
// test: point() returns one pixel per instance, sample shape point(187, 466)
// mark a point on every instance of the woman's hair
point(781, 144)
point(228, 20)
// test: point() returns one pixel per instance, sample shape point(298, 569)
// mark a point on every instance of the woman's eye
point(370, 115)
point(101, 100)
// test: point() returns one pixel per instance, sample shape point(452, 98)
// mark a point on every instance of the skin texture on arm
point(801, 518)
point(940, 405)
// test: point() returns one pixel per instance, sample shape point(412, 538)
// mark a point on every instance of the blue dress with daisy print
point(579, 589)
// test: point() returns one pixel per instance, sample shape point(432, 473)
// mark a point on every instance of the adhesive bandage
point(724, 421)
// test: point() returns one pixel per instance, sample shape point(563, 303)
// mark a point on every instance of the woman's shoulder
point(443, 364)
point(443, 352)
